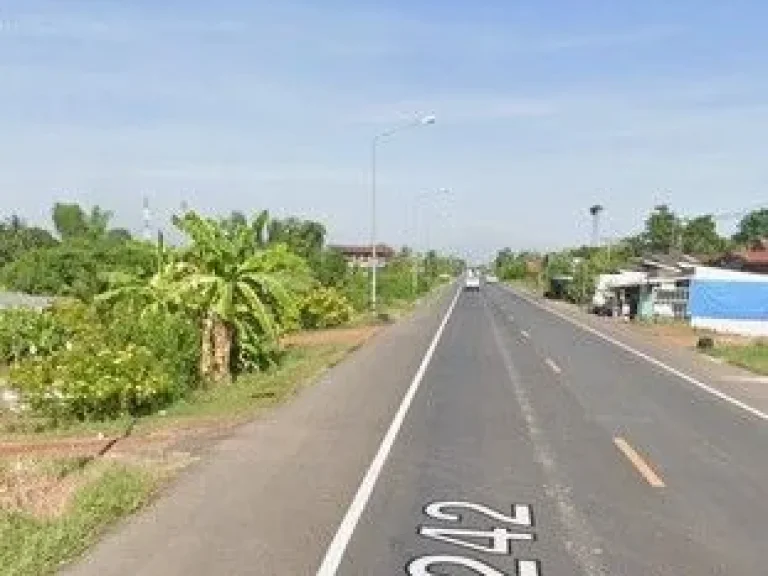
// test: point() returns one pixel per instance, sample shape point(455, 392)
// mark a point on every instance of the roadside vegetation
point(752, 356)
point(148, 335)
point(53, 509)
point(665, 231)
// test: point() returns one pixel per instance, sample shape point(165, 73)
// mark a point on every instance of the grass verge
point(34, 545)
point(251, 393)
point(753, 357)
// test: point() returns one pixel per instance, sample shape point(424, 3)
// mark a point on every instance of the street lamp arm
point(422, 121)
point(425, 120)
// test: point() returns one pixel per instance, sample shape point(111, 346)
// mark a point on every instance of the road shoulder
point(271, 496)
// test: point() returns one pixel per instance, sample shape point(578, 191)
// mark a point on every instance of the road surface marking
point(335, 552)
point(554, 367)
point(525, 334)
point(527, 568)
point(627, 348)
point(637, 461)
point(421, 566)
point(583, 540)
point(522, 514)
point(511, 318)
point(494, 540)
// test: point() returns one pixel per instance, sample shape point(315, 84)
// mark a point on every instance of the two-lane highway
point(533, 447)
point(485, 435)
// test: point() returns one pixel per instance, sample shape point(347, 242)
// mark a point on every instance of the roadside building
point(755, 259)
point(729, 301)
point(654, 286)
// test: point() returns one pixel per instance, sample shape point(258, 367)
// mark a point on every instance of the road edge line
point(658, 363)
point(335, 552)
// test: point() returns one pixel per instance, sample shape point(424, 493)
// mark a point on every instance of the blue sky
point(543, 109)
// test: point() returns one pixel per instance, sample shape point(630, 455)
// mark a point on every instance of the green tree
point(662, 229)
point(234, 221)
point(78, 268)
point(305, 237)
point(331, 269)
point(752, 227)
point(18, 238)
point(700, 236)
point(241, 291)
point(119, 235)
point(510, 266)
point(72, 222)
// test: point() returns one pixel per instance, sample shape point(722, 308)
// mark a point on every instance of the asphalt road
point(520, 444)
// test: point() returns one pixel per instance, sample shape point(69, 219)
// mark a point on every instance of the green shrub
point(357, 289)
point(93, 380)
point(173, 338)
point(25, 332)
point(325, 308)
point(126, 361)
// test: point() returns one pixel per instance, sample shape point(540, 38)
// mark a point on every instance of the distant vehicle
point(472, 282)
point(491, 279)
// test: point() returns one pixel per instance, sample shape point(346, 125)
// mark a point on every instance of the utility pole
point(147, 221)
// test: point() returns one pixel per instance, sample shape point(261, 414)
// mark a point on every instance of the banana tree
point(242, 291)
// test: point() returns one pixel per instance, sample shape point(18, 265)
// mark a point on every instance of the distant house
point(655, 285)
point(362, 256)
point(753, 260)
point(20, 300)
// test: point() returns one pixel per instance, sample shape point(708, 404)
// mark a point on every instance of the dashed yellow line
point(639, 463)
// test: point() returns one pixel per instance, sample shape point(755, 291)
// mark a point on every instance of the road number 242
point(496, 541)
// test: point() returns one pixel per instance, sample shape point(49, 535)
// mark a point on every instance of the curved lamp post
point(423, 121)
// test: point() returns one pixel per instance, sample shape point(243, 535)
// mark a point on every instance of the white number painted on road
point(521, 513)
point(500, 538)
point(421, 566)
point(494, 541)
point(527, 568)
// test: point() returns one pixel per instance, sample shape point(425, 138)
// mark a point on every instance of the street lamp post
point(416, 205)
point(423, 121)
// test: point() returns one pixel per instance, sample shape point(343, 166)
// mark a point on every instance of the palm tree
point(159, 293)
point(240, 288)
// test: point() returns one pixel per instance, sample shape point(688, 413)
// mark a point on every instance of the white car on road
point(472, 281)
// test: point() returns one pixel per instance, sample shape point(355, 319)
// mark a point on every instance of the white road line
point(527, 568)
point(627, 348)
point(335, 552)
point(554, 367)
point(524, 334)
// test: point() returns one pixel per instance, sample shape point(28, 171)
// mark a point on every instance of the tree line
point(140, 324)
point(664, 232)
